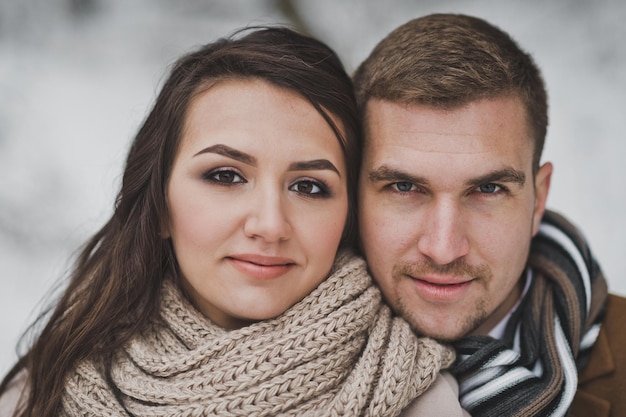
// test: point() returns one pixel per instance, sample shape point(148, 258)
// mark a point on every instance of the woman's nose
point(267, 218)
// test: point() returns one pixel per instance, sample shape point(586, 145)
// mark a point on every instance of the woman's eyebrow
point(316, 164)
point(228, 152)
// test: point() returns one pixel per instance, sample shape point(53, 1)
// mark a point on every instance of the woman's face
point(257, 201)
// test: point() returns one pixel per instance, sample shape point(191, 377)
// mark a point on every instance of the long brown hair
point(113, 289)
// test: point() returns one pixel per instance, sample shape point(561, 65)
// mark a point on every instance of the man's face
point(447, 207)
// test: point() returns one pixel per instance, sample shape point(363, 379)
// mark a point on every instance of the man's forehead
point(478, 127)
point(431, 142)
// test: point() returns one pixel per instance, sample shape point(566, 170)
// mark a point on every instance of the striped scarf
point(338, 352)
point(533, 370)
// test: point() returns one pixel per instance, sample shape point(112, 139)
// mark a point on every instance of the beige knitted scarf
point(338, 352)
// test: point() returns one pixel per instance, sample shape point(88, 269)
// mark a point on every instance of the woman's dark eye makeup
point(224, 177)
point(230, 177)
point(309, 187)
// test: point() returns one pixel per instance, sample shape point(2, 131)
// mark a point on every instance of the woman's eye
point(404, 187)
point(309, 188)
point(488, 188)
point(224, 177)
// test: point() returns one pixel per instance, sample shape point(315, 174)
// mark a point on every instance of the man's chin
point(445, 331)
point(443, 326)
point(439, 336)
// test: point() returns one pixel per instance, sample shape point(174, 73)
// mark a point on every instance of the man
point(452, 193)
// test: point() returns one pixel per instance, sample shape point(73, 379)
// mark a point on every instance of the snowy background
point(78, 76)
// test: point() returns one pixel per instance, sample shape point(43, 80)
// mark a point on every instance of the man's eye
point(224, 177)
point(489, 188)
point(404, 187)
point(308, 187)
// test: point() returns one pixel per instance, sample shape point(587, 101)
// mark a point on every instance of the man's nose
point(444, 238)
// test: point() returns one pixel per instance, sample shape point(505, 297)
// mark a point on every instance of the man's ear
point(542, 187)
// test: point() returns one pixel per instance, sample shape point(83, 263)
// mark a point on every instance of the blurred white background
point(78, 76)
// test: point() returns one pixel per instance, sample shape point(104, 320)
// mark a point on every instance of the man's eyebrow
point(316, 164)
point(505, 175)
point(229, 152)
point(388, 174)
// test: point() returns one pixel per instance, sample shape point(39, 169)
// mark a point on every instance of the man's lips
point(441, 288)
point(260, 266)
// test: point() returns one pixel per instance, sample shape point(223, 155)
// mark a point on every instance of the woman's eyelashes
point(308, 187)
point(311, 188)
point(224, 176)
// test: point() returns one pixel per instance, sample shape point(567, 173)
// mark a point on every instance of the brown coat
point(602, 384)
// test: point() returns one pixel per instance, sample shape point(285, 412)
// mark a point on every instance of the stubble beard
point(468, 321)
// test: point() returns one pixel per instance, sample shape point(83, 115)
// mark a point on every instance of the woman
point(214, 288)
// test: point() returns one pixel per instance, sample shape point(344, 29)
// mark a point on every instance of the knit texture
point(533, 370)
point(338, 352)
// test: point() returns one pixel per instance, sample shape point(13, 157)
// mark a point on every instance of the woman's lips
point(261, 267)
